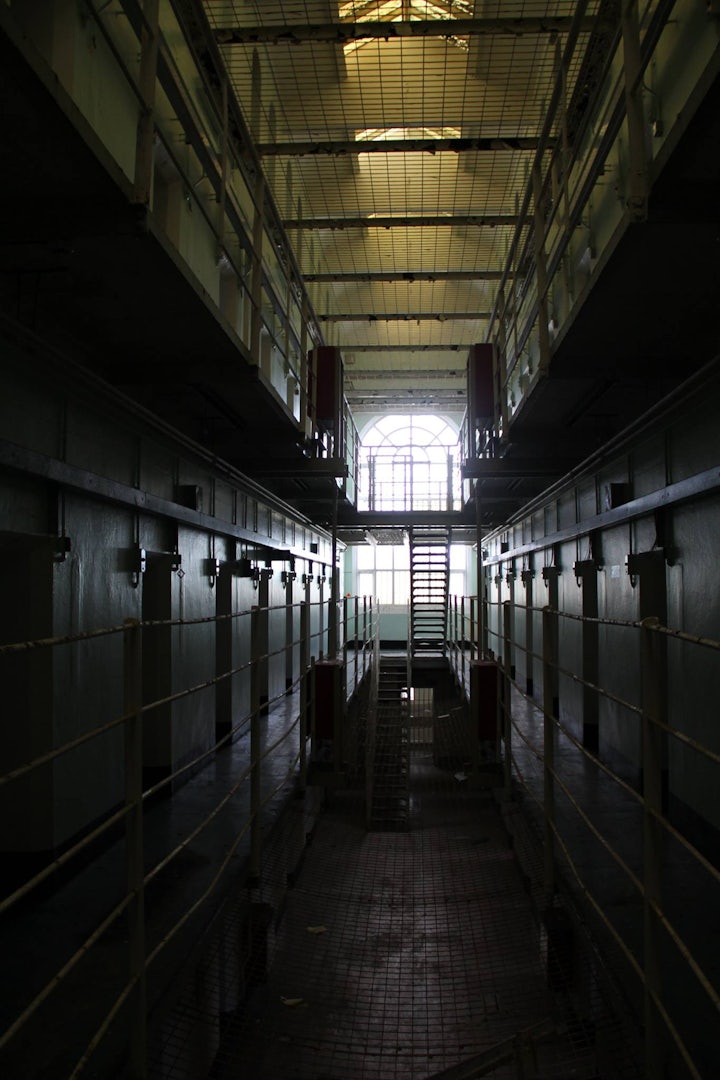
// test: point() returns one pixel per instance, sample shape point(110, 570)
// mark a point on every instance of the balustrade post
point(652, 763)
point(356, 604)
point(255, 746)
point(637, 193)
point(365, 635)
point(541, 273)
point(462, 639)
point(132, 679)
point(549, 662)
point(345, 606)
point(304, 688)
point(147, 84)
point(507, 688)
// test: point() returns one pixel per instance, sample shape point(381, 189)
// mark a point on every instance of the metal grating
point(321, 95)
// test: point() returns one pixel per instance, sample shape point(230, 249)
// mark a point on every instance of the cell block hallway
point(410, 950)
point(359, 517)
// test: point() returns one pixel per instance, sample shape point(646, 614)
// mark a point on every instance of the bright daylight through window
point(406, 463)
point(410, 463)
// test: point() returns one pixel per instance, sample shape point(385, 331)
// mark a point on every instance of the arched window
point(409, 463)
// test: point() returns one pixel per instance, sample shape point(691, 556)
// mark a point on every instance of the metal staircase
point(429, 586)
point(389, 792)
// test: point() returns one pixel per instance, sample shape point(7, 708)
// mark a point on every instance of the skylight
point(383, 134)
point(401, 11)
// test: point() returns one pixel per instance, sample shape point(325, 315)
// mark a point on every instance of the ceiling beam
point(341, 33)
point(410, 276)
point(404, 316)
point(427, 221)
point(352, 375)
point(506, 469)
point(354, 147)
point(350, 349)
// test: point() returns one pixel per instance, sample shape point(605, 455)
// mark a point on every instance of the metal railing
point(616, 835)
point(265, 748)
point(401, 479)
point(591, 174)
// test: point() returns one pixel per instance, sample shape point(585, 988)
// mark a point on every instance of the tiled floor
point(427, 952)
point(402, 954)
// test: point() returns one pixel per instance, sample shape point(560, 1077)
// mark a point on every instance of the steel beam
point(341, 33)
point(403, 316)
point(355, 147)
point(369, 519)
point(32, 463)
point(694, 487)
point(305, 468)
point(413, 277)
point(507, 469)
point(406, 348)
point(392, 221)
point(403, 374)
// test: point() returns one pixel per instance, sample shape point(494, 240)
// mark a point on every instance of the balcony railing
point(609, 837)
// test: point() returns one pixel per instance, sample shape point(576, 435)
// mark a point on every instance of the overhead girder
point(355, 147)
point(427, 221)
point(407, 348)
point(409, 276)
point(403, 316)
point(341, 33)
point(402, 374)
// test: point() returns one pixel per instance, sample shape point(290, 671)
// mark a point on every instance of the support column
point(224, 634)
point(365, 633)
point(482, 612)
point(258, 230)
point(289, 631)
point(304, 689)
point(462, 643)
point(356, 601)
point(541, 271)
point(506, 699)
point(263, 639)
point(321, 613)
point(551, 575)
point(637, 192)
point(147, 81)
point(653, 738)
point(256, 650)
point(526, 576)
point(647, 569)
point(134, 839)
point(225, 170)
point(333, 642)
point(510, 582)
point(586, 572)
point(549, 641)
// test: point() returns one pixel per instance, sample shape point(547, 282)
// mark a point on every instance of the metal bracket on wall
point(585, 566)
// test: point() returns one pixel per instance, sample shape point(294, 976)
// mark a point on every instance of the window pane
point(458, 556)
point(402, 586)
point(365, 557)
point(365, 583)
point(402, 557)
point(384, 557)
point(457, 584)
point(384, 580)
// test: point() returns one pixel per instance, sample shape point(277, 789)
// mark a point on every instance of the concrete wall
point(70, 565)
point(676, 539)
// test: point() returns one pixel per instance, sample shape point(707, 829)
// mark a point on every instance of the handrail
point(557, 198)
point(282, 733)
point(557, 773)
